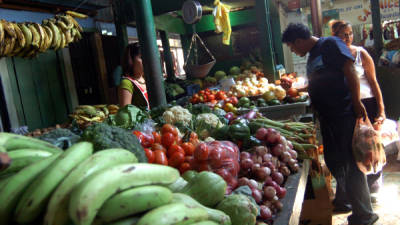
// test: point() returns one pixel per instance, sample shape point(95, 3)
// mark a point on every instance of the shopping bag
point(367, 148)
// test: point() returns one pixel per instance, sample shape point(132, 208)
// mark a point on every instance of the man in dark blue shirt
point(334, 91)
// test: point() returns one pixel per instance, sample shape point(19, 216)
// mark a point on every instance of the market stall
point(220, 156)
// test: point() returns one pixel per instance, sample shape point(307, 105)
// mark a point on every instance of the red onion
point(277, 177)
point(255, 167)
point(256, 195)
point(282, 140)
point(278, 149)
point(230, 116)
point(285, 156)
point(265, 212)
point(267, 157)
point(281, 192)
point(285, 171)
point(278, 205)
point(261, 133)
point(293, 153)
point(290, 145)
point(270, 165)
point(245, 155)
point(253, 184)
point(261, 150)
point(246, 164)
point(262, 173)
point(272, 136)
point(269, 192)
point(295, 167)
point(243, 181)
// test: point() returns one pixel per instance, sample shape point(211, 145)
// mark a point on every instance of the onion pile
point(265, 169)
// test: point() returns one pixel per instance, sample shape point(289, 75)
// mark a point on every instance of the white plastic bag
point(388, 132)
point(367, 147)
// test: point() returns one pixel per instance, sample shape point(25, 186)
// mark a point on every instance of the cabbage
point(240, 209)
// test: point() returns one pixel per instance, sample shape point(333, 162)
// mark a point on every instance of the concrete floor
point(388, 204)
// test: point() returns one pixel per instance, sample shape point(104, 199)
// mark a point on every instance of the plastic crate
point(281, 112)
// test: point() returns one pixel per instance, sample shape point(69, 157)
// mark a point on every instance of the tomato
point(158, 146)
point(184, 167)
point(157, 137)
point(201, 152)
point(193, 136)
point(167, 139)
point(168, 128)
point(221, 95)
point(176, 159)
point(234, 100)
point(150, 155)
point(203, 166)
point(189, 159)
point(160, 158)
point(211, 97)
point(201, 92)
point(146, 140)
point(188, 148)
point(175, 148)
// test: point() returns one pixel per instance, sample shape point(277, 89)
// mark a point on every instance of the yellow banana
point(76, 24)
point(68, 37)
point(42, 34)
point(20, 35)
point(62, 25)
point(78, 36)
point(27, 34)
point(9, 45)
point(76, 14)
point(67, 20)
point(63, 40)
point(56, 34)
point(9, 28)
point(50, 35)
point(1, 34)
point(35, 36)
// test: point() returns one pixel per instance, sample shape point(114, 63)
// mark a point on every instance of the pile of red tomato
point(167, 148)
point(208, 95)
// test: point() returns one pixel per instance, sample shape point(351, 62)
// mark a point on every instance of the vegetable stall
point(217, 156)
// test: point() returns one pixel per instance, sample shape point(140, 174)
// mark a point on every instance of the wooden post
point(150, 54)
point(264, 27)
point(276, 33)
point(101, 69)
point(169, 62)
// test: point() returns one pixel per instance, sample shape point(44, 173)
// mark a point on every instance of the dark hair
point(295, 31)
point(337, 26)
point(131, 51)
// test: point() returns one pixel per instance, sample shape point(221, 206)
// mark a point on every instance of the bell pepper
point(221, 133)
point(250, 142)
point(239, 131)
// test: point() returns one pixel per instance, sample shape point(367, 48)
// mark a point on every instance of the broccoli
point(60, 137)
point(104, 136)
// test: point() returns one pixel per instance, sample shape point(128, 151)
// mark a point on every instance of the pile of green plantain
point(29, 39)
point(77, 186)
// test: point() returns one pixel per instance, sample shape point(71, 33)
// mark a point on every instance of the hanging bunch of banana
point(28, 39)
point(84, 115)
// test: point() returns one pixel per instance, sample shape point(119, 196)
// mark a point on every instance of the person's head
point(342, 30)
point(132, 60)
point(295, 36)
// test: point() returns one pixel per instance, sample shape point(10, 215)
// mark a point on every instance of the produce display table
point(293, 201)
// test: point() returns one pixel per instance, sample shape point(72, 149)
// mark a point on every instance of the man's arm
point(354, 85)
